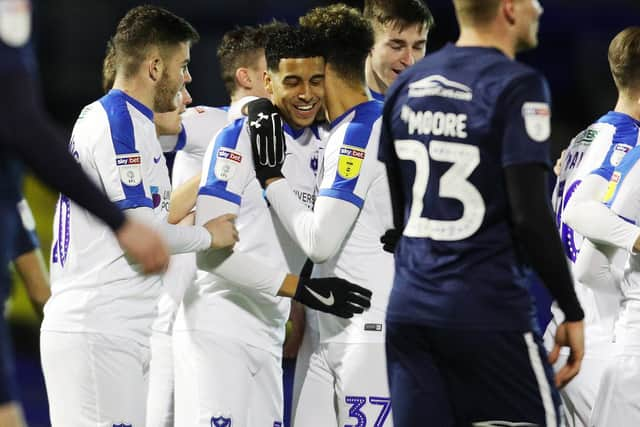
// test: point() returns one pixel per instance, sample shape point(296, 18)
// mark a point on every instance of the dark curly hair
point(291, 42)
point(400, 13)
point(144, 27)
point(345, 36)
point(241, 48)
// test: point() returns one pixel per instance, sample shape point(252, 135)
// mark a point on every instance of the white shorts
point(310, 342)
point(618, 400)
point(579, 396)
point(160, 409)
point(222, 382)
point(94, 380)
point(339, 384)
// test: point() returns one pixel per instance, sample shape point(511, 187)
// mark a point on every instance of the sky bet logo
point(123, 161)
point(346, 151)
point(224, 154)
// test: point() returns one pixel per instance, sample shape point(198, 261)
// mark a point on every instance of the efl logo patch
point(129, 169)
point(537, 120)
point(350, 161)
point(227, 163)
point(619, 151)
point(15, 22)
point(611, 189)
point(220, 422)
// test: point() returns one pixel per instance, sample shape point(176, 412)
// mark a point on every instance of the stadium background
point(70, 37)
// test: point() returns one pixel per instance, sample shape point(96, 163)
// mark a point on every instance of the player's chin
point(306, 118)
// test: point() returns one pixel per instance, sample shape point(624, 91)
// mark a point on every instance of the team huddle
point(401, 204)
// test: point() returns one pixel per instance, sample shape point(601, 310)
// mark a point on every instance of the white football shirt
point(94, 286)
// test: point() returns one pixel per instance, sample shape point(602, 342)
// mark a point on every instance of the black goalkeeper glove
point(390, 239)
point(267, 139)
point(333, 295)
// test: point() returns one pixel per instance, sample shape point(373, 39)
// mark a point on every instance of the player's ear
point(243, 79)
point(268, 83)
point(508, 10)
point(155, 65)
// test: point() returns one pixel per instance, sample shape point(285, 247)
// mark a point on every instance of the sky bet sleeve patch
point(129, 169)
point(350, 161)
point(537, 120)
point(226, 163)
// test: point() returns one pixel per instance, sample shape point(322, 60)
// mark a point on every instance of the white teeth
point(304, 107)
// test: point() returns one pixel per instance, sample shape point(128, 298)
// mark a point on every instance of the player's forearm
point(179, 238)
point(29, 134)
point(319, 232)
point(587, 215)
point(596, 267)
point(31, 268)
point(601, 225)
point(232, 266)
point(534, 227)
point(183, 200)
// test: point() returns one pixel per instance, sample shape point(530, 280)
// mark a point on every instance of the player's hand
point(144, 246)
point(568, 334)
point(223, 231)
point(558, 166)
point(333, 295)
point(267, 139)
point(390, 239)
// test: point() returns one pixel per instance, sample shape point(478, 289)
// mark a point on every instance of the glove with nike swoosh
point(267, 139)
point(333, 295)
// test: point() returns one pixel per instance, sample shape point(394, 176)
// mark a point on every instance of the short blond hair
point(476, 12)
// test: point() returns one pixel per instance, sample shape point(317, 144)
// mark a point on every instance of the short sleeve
point(351, 161)
point(228, 165)
point(118, 162)
point(525, 107)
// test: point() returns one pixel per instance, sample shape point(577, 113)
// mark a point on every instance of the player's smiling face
point(394, 50)
point(297, 89)
point(529, 12)
point(174, 76)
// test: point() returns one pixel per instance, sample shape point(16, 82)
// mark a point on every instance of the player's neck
point(487, 37)
point(629, 106)
point(341, 95)
point(135, 89)
point(374, 82)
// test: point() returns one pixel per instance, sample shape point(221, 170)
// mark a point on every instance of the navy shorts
point(8, 227)
point(448, 377)
point(8, 385)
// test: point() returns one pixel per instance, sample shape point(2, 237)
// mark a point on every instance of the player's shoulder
point(204, 112)
point(358, 124)
point(624, 124)
point(232, 136)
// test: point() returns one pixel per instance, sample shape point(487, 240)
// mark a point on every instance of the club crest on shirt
point(221, 422)
point(611, 189)
point(129, 169)
point(350, 161)
point(537, 120)
point(227, 162)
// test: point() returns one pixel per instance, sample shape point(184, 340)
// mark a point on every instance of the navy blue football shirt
point(451, 124)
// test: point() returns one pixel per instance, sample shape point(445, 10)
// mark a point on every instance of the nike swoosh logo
point(328, 301)
point(157, 159)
